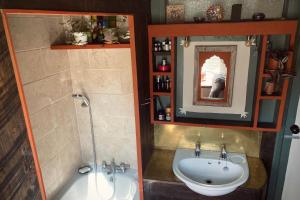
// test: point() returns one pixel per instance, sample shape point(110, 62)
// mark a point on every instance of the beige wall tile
point(113, 105)
point(106, 77)
point(110, 58)
point(54, 29)
point(28, 33)
point(121, 149)
point(97, 81)
point(44, 92)
point(114, 125)
point(42, 122)
point(79, 59)
point(47, 85)
point(47, 147)
point(50, 175)
point(30, 65)
point(55, 61)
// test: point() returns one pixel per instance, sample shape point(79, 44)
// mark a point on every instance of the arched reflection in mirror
point(213, 78)
point(213, 75)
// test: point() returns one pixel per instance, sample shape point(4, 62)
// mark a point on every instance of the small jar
point(168, 113)
point(269, 87)
point(155, 47)
point(161, 115)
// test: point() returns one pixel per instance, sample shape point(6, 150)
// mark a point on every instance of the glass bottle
point(168, 113)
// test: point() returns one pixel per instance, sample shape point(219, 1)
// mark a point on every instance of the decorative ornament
point(182, 111)
point(244, 115)
point(215, 13)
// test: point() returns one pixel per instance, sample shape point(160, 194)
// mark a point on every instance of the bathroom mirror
point(214, 73)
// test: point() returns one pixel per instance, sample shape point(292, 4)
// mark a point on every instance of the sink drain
point(208, 181)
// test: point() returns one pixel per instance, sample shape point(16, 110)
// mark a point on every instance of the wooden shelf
point(162, 122)
point(161, 53)
point(162, 93)
point(270, 97)
point(266, 75)
point(90, 46)
point(161, 73)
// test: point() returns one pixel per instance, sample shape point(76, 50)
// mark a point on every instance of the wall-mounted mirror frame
point(218, 90)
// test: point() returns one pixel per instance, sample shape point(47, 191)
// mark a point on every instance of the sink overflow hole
point(208, 181)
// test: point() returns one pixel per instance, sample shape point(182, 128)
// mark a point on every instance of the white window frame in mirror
point(239, 92)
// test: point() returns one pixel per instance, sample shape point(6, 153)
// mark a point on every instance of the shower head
point(84, 99)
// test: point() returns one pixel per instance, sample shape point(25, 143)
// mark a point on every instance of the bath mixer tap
point(197, 149)
point(223, 154)
point(124, 167)
point(114, 168)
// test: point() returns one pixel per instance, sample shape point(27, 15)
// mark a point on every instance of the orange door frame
point(4, 14)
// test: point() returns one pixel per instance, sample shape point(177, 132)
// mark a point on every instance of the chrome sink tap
point(223, 154)
point(197, 149)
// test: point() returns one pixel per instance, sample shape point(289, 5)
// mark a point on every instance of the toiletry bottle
point(158, 83)
point(159, 46)
point(164, 67)
point(94, 28)
point(168, 113)
point(162, 86)
point(167, 46)
point(163, 46)
point(155, 47)
point(167, 84)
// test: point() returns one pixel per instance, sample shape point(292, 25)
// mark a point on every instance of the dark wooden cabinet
point(18, 178)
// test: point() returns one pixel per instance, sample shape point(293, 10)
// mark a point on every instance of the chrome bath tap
point(114, 168)
point(197, 149)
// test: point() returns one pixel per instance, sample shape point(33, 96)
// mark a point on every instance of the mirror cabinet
point(221, 74)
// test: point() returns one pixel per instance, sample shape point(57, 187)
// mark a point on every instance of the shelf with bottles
point(91, 32)
point(162, 109)
point(161, 46)
point(161, 63)
point(162, 84)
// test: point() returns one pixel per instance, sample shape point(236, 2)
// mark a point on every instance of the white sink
point(209, 175)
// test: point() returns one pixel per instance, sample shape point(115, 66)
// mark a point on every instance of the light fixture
point(251, 40)
point(185, 42)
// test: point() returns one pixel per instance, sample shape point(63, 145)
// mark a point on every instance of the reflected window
point(214, 75)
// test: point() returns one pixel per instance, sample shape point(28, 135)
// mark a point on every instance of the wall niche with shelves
point(269, 87)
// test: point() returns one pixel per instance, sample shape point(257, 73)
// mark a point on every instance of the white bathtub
point(83, 187)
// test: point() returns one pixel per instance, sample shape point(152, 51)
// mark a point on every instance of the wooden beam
point(275, 27)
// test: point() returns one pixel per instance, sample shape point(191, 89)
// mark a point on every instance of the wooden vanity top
point(160, 168)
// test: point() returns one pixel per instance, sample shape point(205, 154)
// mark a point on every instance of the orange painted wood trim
point(172, 78)
point(151, 74)
point(24, 105)
point(260, 79)
point(136, 106)
point(271, 97)
point(285, 86)
point(54, 12)
point(23, 100)
point(90, 46)
point(225, 28)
